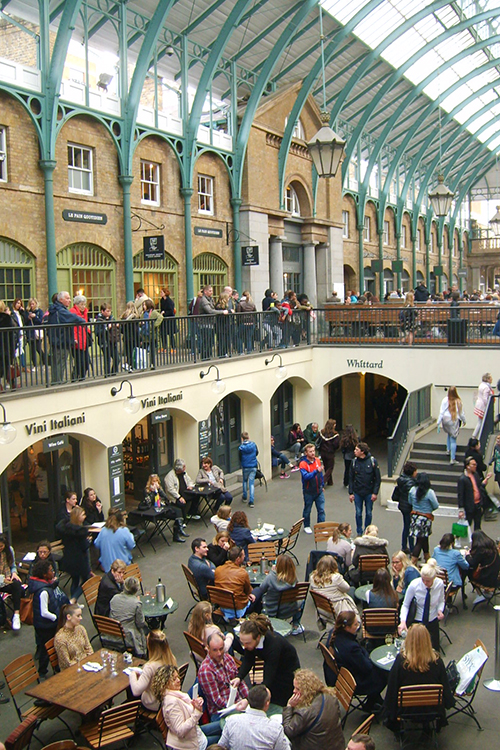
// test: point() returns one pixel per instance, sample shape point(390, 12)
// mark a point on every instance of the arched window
point(153, 275)
point(292, 204)
point(89, 270)
point(16, 272)
point(209, 269)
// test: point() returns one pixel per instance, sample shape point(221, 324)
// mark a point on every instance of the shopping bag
point(141, 358)
point(460, 529)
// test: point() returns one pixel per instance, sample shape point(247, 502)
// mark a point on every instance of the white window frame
point(366, 229)
point(76, 170)
point(205, 195)
point(298, 130)
point(345, 224)
point(292, 203)
point(404, 236)
point(150, 182)
point(386, 232)
point(3, 154)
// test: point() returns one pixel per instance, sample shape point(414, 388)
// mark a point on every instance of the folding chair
point(289, 542)
point(344, 690)
point(324, 610)
point(364, 727)
point(21, 736)
point(134, 570)
point(330, 662)
point(419, 704)
point(257, 549)
point(323, 531)
point(488, 592)
point(223, 599)
point(368, 566)
point(61, 745)
point(52, 653)
point(463, 703)
point(377, 623)
point(90, 590)
point(196, 649)
point(315, 556)
point(296, 595)
point(114, 725)
point(193, 588)
point(111, 633)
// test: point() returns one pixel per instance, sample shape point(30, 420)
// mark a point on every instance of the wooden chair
point(344, 690)
point(296, 595)
point(256, 550)
point(222, 598)
point(111, 633)
point(463, 703)
point(329, 661)
point(323, 530)
point(19, 675)
point(377, 623)
point(134, 570)
point(183, 669)
point(90, 589)
point(196, 648)
point(257, 672)
point(368, 566)
point(325, 611)
point(364, 727)
point(488, 592)
point(52, 653)
point(419, 704)
point(160, 720)
point(289, 542)
point(21, 736)
point(193, 588)
point(61, 745)
point(117, 724)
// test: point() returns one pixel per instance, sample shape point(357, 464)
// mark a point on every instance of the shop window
point(366, 229)
point(87, 269)
point(292, 204)
point(386, 232)
point(150, 183)
point(345, 224)
point(80, 169)
point(291, 282)
point(16, 272)
point(210, 270)
point(154, 275)
point(205, 195)
point(3, 154)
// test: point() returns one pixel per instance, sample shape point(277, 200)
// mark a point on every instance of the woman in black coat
point(111, 584)
point(483, 556)
point(92, 507)
point(370, 680)
point(328, 445)
point(279, 656)
point(9, 336)
point(76, 560)
point(168, 327)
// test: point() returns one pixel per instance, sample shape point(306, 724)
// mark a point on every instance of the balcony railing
point(52, 355)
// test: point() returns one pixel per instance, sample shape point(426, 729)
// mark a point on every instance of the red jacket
point(81, 336)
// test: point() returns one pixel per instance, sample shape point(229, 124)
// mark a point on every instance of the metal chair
point(134, 570)
point(114, 725)
point(259, 549)
point(21, 736)
point(323, 531)
point(324, 609)
point(419, 704)
point(296, 595)
point(463, 703)
point(111, 633)
point(368, 566)
point(196, 649)
point(224, 599)
point(193, 587)
point(377, 623)
point(289, 542)
point(488, 592)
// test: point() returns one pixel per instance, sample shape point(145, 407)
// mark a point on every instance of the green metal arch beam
point(481, 169)
point(101, 119)
point(15, 94)
point(307, 87)
point(311, 24)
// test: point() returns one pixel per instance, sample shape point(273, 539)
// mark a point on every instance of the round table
point(282, 627)
point(276, 537)
point(382, 652)
point(362, 591)
point(155, 613)
point(256, 577)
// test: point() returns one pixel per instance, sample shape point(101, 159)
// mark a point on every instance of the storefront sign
point(205, 437)
point(37, 428)
point(162, 415)
point(438, 270)
point(361, 364)
point(168, 398)
point(397, 266)
point(207, 232)
point(116, 477)
point(55, 443)
point(85, 217)
point(250, 255)
point(462, 272)
point(154, 247)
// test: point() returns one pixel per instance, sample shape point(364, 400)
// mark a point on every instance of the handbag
point(396, 494)
point(460, 529)
point(26, 610)
point(453, 675)
point(412, 612)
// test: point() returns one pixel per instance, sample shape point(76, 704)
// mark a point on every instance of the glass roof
point(431, 49)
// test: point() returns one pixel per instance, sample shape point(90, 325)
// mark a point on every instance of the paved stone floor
point(282, 505)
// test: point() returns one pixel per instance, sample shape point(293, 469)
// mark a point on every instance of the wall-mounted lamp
point(218, 386)
point(281, 371)
point(131, 404)
point(7, 431)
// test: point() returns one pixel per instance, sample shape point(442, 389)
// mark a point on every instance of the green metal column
point(236, 205)
point(427, 262)
point(361, 229)
point(461, 259)
point(47, 166)
point(398, 257)
point(126, 181)
point(414, 260)
point(380, 233)
point(440, 252)
point(188, 242)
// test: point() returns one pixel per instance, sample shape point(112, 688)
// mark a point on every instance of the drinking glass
point(389, 639)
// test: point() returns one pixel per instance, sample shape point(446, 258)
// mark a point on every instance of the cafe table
point(260, 535)
point(76, 690)
point(207, 495)
point(361, 592)
point(155, 612)
point(282, 627)
point(384, 656)
point(154, 521)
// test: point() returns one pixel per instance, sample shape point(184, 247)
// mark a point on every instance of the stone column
point(310, 287)
point(276, 264)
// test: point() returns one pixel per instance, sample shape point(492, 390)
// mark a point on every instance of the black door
point(162, 447)
point(282, 414)
point(225, 423)
point(335, 402)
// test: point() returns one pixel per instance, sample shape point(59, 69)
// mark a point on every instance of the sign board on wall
point(207, 232)
point(154, 247)
point(162, 415)
point(250, 255)
point(55, 443)
point(116, 477)
point(204, 437)
point(85, 217)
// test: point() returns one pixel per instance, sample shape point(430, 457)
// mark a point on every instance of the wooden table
point(83, 691)
point(383, 652)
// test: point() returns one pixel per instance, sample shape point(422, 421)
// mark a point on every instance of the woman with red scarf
point(82, 339)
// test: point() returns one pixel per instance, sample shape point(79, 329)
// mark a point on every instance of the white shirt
point(252, 730)
point(418, 590)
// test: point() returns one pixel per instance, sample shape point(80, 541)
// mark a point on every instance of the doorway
point(282, 414)
point(225, 426)
point(148, 449)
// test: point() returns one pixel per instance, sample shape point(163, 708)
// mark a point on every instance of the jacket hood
point(405, 482)
point(332, 437)
point(370, 541)
point(35, 584)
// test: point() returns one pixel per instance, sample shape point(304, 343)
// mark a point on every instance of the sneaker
point(3, 698)
point(295, 468)
point(447, 453)
point(454, 463)
point(251, 504)
point(16, 622)
point(243, 499)
point(196, 517)
point(308, 530)
point(284, 476)
point(297, 630)
point(480, 598)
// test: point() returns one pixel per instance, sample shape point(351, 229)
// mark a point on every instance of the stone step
point(435, 463)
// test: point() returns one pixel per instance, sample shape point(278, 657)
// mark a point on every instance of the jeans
point(230, 614)
point(212, 731)
point(451, 444)
point(249, 476)
point(319, 501)
point(359, 500)
point(407, 541)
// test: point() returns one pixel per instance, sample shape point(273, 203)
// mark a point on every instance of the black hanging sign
point(250, 255)
point(154, 247)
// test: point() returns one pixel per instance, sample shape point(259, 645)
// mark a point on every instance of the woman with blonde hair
point(114, 541)
point(71, 641)
point(155, 497)
point(408, 318)
point(339, 544)
point(202, 626)
point(282, 578)
point(403, 571)
point(221, 519)
point(417, 664)
point(451, 418)
point(246, 322)
point(130, 333)
point(311, 718)
point(327, 580)
point(159, 655)
point(219, 547)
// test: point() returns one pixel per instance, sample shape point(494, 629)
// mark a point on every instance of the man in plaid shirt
point(217, 674)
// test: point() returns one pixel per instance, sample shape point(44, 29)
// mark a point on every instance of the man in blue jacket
point(62, 338)
point(248, 459)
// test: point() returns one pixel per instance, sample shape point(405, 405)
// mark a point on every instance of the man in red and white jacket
point(312, 486)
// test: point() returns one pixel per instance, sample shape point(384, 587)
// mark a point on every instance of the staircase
point(432, 458)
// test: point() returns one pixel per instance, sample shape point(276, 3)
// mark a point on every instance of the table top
point(279, 626)
point(362, 591)
point(271, 537)
point(83, 691)
point(204, 490)
point(382, 652)
point(152, 608)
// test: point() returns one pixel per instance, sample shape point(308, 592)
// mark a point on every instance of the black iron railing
point(416, 409)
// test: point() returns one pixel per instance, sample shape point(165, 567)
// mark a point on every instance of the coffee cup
point(2, 580)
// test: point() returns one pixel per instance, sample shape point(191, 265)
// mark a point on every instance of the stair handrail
point(488, 423)
point(416, 409)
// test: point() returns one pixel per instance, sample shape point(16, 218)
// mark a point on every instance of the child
point(222, 518)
